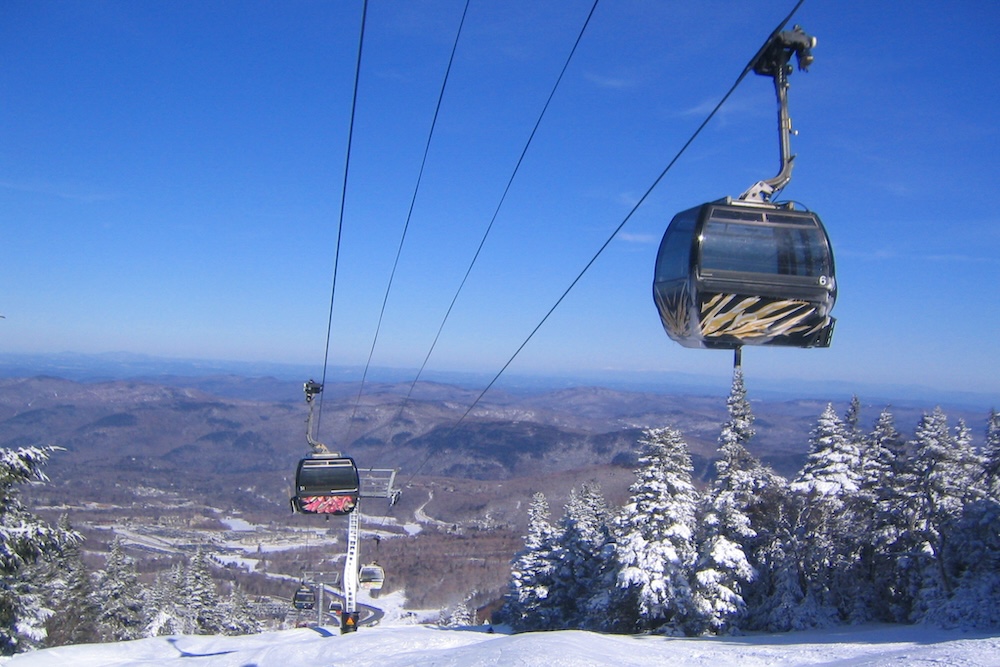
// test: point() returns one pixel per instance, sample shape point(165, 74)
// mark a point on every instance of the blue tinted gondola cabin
point(304, 598)
point(733, 273)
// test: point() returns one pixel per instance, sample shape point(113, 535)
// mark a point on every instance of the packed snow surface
point(406, 646)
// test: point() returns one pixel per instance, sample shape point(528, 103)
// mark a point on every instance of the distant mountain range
point(118, 366)
point(212, 434)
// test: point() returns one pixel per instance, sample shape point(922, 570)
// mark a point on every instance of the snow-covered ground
point(400, 641)
point(407, 646)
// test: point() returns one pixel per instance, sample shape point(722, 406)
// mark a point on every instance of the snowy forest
point(873, 528)
point(49, 598)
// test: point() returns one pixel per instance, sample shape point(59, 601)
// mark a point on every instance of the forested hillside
point(679, 513)
point(874, 527)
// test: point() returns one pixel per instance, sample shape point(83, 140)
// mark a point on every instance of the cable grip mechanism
point(312, 389)
point(773, 61)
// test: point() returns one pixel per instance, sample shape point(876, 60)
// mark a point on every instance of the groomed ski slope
point(407, 646)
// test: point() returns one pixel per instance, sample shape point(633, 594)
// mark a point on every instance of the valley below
point(174, 465)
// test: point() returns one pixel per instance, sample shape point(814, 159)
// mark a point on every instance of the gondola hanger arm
point(773, 61)
point(313, 389)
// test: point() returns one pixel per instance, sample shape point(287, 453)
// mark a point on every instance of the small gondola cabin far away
point(326, 484)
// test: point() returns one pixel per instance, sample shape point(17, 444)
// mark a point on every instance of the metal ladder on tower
point(349, 622)
point(374, 483)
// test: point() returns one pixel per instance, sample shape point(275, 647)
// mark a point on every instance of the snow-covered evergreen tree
point(991, 455)
point(743, 564)
point(949, 477)
point(583, 575)
point(74, 617)
point(899, 547)
point(738, 430)
point(722, 571)
point(655, 535)
point(869, 525)
point(852, 421)
point(459, 616)
point(974, 564)
point(829, 485)
point(238, 617)
point(882, 454)
point(203, 599)
point(120, 597)
point(730, 521)
point(168, 604)
point(531, 572)
point(25, 543)
point(963, 435)
point(833, 466)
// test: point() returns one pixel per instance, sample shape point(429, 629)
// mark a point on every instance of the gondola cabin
point(304, 598)
point(371, 577)
point(326, 485)
point(732, 273)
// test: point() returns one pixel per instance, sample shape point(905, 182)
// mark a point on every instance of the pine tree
point(25, 543)
point(878, 514)
point(238, 617)
point(203, 600)
point(722, 571)
point(744, 529)
point(883, 453)
point(531, 572)
point(991, 455)
point(852, 421)
point(968, 548)
point(828, 554)
point(655, 535)
point(738, 430)
point(726, 534)
point(74, 617)
point(583, 559)
point(949, 476)
point(168, 604)
point(460, 616)
point(120, 598)
point(771, 509)
point(833, 466)
point(899, 542)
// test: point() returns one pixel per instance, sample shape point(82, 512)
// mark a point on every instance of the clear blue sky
point(170, 179)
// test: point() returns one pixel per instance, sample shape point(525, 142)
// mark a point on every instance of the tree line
point(874, 527)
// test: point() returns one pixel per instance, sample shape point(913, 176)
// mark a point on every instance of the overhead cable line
point(739, 79)
point(409, 214)
point(489, 227)
point(343, 199)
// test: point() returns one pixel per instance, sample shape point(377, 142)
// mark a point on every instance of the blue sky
point(170, 179)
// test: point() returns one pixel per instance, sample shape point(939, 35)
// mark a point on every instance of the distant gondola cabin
point(304, 598)
point(326, 485)
point(371, 577)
